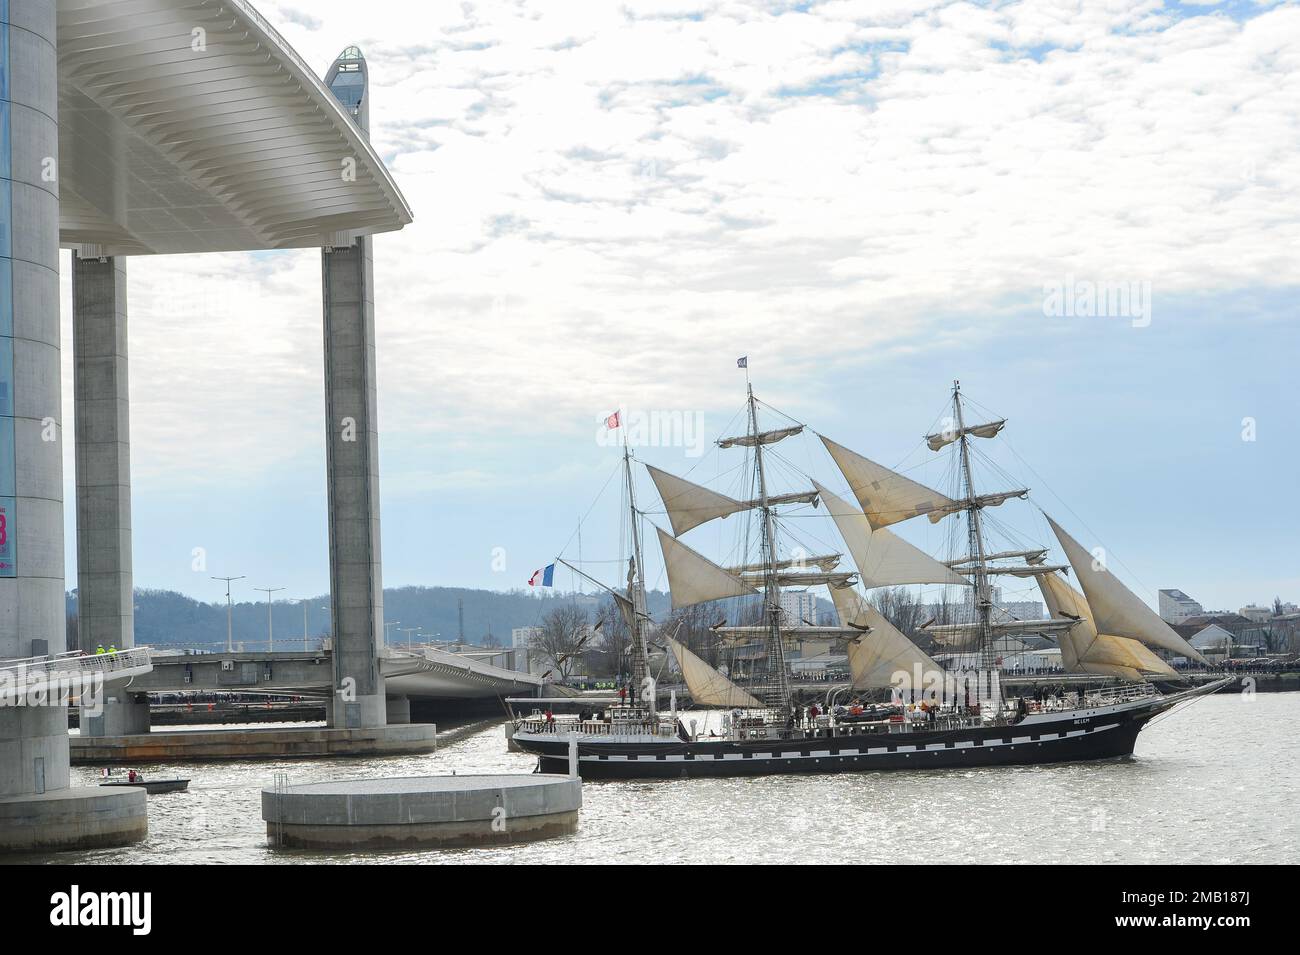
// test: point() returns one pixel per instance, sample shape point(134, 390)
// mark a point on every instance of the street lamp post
point(230, 646)
point(270, 642)
point(387, 624)
point(304, 625)
point(408, 631)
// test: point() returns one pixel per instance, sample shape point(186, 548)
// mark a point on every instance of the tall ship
point(901, 708)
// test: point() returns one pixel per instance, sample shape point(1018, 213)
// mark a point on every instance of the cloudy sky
point(614, 201)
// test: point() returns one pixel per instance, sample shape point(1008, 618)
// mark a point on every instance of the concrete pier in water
point(269, 743)
point(422, 811)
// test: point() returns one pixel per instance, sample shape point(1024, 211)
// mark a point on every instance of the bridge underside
point(429, 675)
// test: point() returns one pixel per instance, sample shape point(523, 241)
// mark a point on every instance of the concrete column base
point(115, 717)
point(81, 818)
point(397, 709)
point(33, 750)
point(365, 712)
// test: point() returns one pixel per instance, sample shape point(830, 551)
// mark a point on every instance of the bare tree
point(560, 638)
point(900, 608)
point(693, 627)
point(609, 656)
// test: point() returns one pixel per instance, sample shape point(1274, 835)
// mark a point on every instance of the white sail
point(1114, 608)
point(883, 559)
point(884, 657)
point(886, 496)
point(708, 687)
point(693, 578)
point(688, 504)
point(1084, 650)
point(944, 438)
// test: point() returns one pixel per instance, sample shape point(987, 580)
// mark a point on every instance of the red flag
point(612, 421)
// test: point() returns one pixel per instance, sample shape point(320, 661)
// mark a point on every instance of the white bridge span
point(434, 673)
point(422, 673)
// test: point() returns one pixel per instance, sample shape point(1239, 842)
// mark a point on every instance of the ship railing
point(562, 727)
point(1107, 696)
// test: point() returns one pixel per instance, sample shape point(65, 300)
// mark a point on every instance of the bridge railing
point(75, 663)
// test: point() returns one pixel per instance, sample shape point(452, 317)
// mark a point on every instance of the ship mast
point(776, 691)
point(979, 564)
point(636, 591)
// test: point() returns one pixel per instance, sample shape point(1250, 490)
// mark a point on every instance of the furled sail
point(883, 559)
point(1018, 570)
point(966, 636)
point(802, 578)
point(1030, 556)
point(995, 498)
point(693, 578)
point(884, 657)
point(791, 637)
point(826, 562)
point(886, 496)
point(1084, 650)
point(1114, 608)
point(794, 497)
point(688, 504)
point(945, 438)
point(763, 437)
point(708, 687)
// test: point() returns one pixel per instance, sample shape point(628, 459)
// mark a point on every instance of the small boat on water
point(154, 786)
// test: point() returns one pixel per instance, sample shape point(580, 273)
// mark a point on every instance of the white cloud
point(613, 201)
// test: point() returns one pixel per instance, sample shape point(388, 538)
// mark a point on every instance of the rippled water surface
point(1214, 782)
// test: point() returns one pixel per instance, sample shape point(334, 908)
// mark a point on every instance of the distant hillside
point(166, 618)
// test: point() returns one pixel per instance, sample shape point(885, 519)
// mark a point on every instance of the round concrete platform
point(77, 818)
point(422, 811)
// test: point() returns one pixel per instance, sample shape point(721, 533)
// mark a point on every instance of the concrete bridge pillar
point(352, 450)
point(37, 807)
point(33, 740)
point(105, 607)
point(356, 581)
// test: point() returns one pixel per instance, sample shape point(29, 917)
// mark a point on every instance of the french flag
point(543, 576)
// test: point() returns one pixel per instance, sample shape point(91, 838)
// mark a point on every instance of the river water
point(1215, 782)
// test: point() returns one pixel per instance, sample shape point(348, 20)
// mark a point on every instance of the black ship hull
point(1070, 739)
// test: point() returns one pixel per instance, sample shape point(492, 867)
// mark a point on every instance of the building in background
point(798, 606)
point(522, 637)
point(1021, 609)
point(1255, 613)
point(1003, 609)
point(1176, 606)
